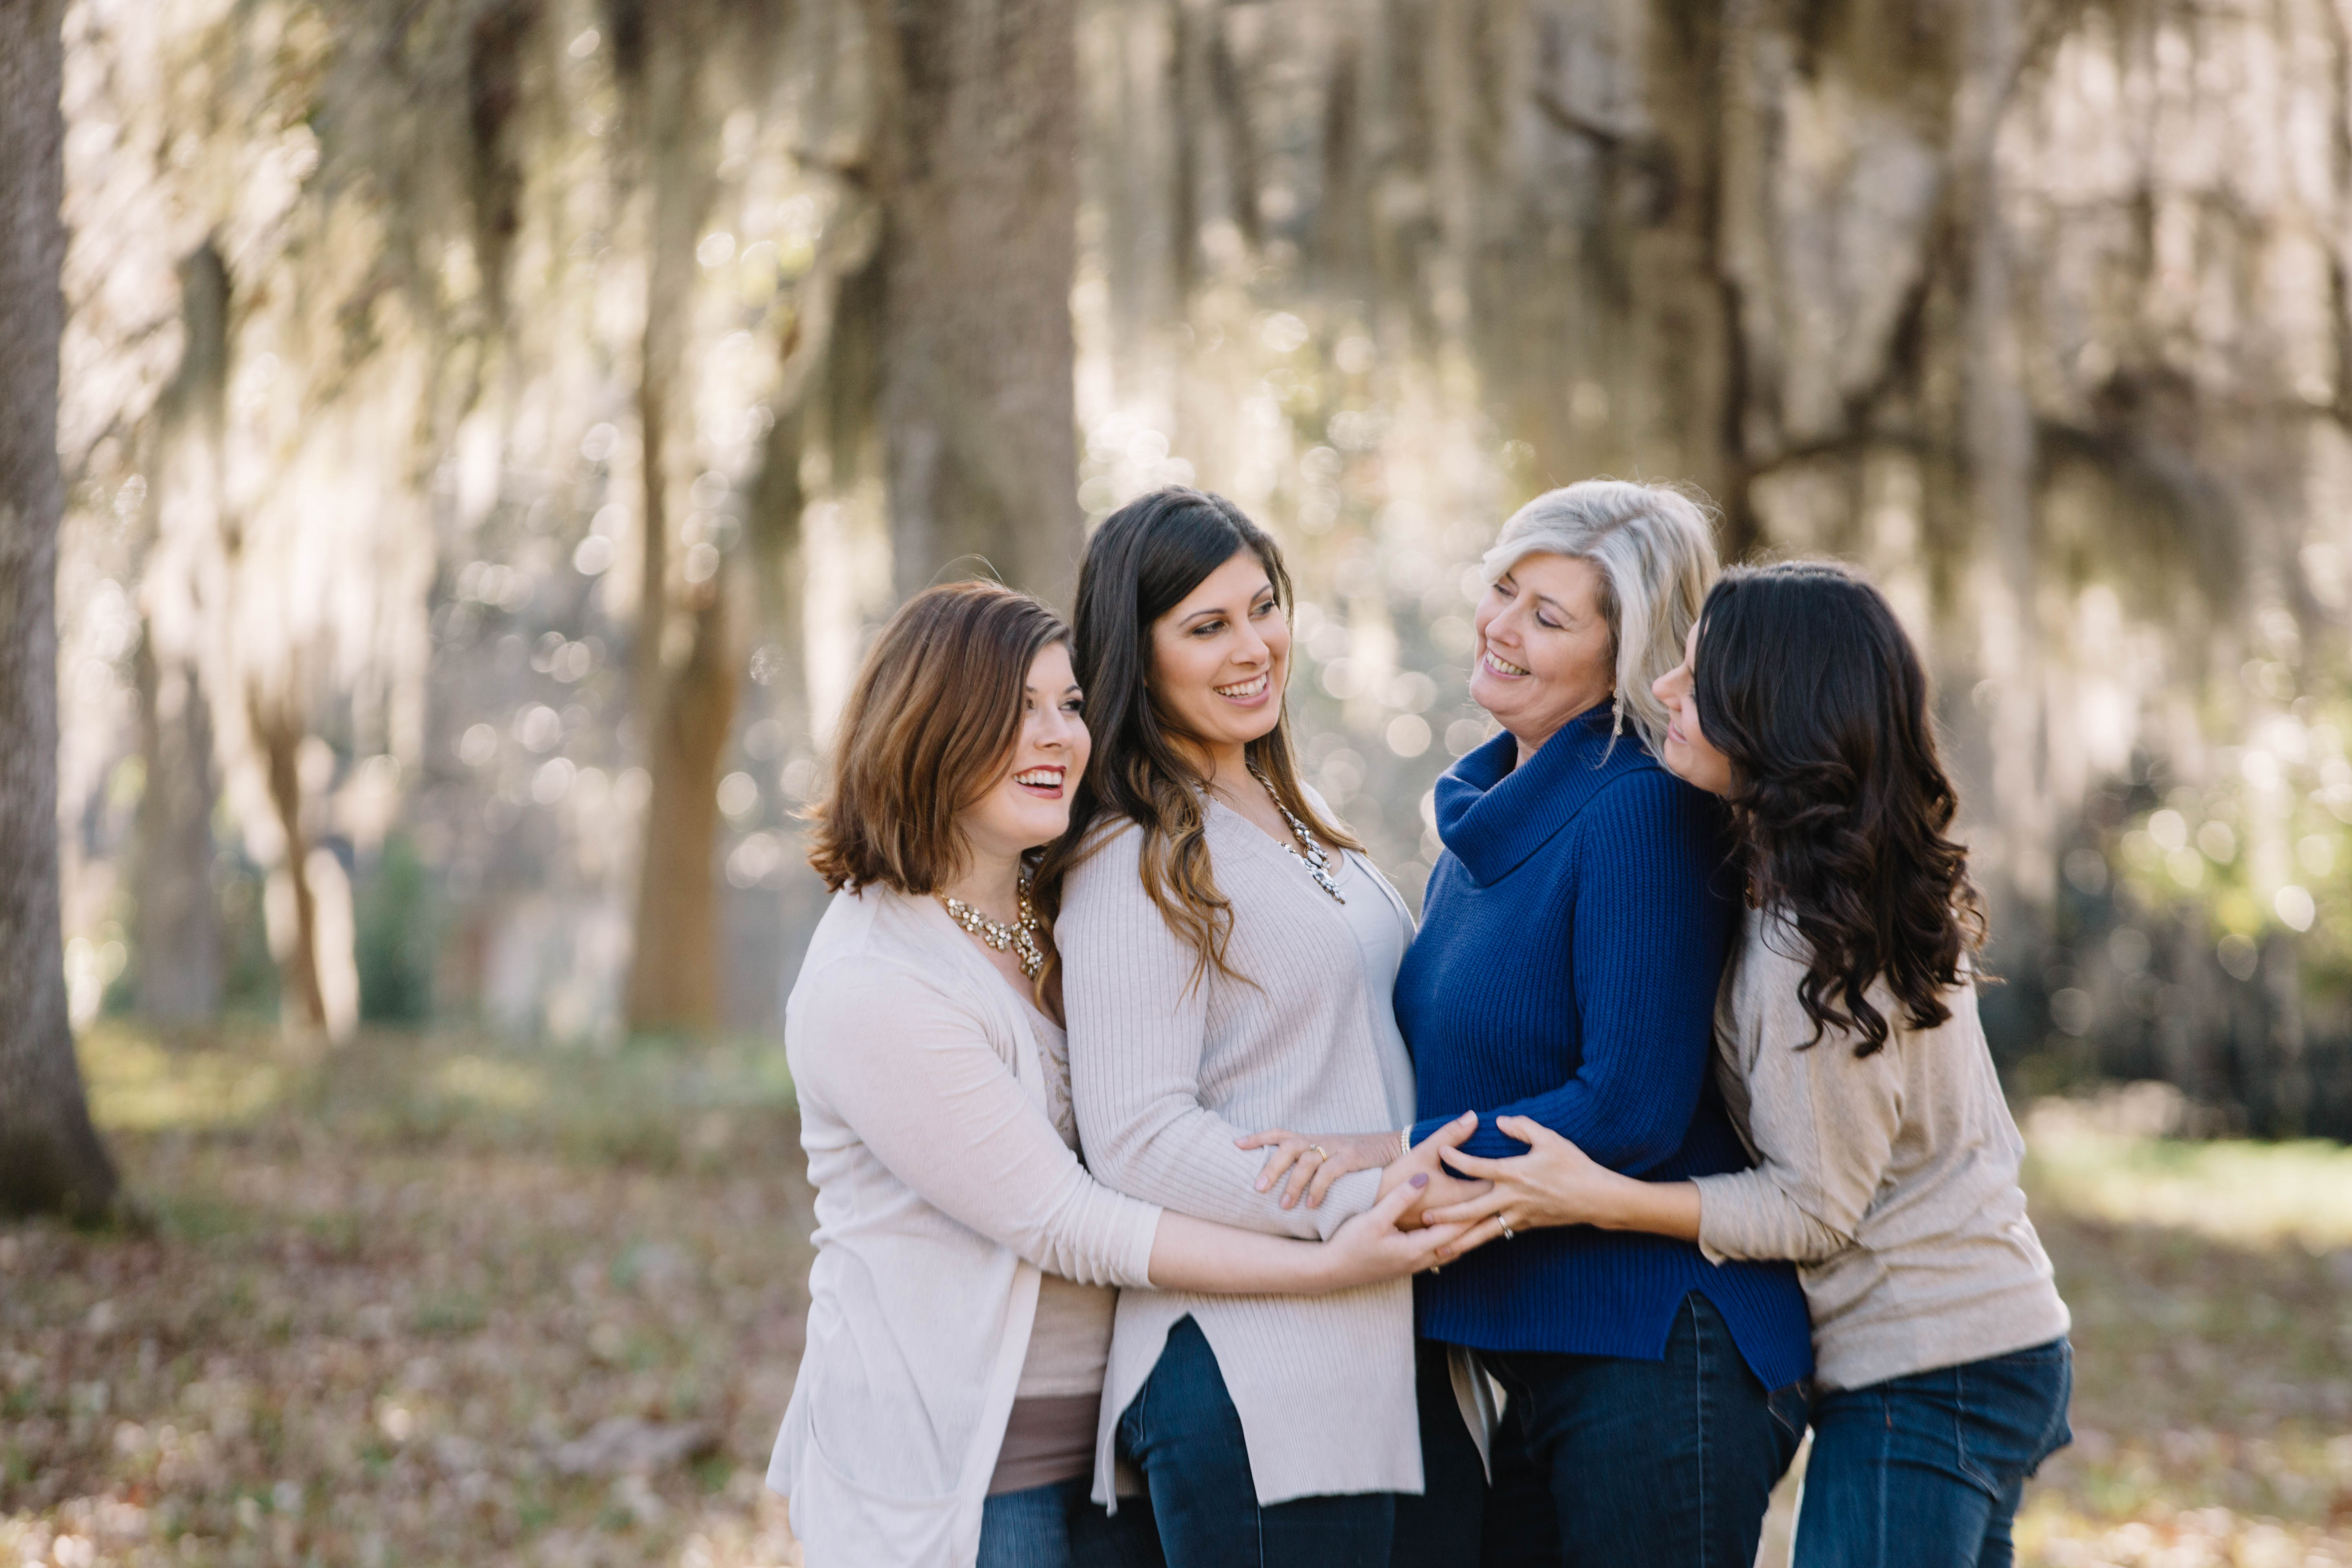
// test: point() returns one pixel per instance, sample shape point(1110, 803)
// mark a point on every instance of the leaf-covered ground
point(441, 1301)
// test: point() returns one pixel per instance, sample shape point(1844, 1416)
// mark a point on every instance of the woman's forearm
point(1661, 1208)
point(1188, 1253)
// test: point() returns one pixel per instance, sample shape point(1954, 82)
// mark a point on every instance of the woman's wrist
point(1658, 1209)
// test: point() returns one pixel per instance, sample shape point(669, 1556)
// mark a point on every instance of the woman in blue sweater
point(1570, 943)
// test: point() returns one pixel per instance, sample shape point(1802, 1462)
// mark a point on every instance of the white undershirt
point(1383, 927)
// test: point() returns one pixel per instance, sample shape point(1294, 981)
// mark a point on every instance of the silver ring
point(1507, 1233)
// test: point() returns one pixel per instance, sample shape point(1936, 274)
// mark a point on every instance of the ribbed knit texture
point(1571, 941)
point(1167, 1069)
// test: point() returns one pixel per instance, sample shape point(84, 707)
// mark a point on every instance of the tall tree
point(975, 165)
point(50, 1156)
point(684, 674)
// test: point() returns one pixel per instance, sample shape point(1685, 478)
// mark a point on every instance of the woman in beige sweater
point(1231, 955)
point(1849, 1054)
point(967, 1267)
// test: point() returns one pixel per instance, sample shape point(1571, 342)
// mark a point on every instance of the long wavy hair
point(1807, 682)
point(1139, 566)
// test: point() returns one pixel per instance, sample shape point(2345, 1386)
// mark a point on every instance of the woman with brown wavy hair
point(1849, 1052)
point(1230, 953)
point(967, 1265)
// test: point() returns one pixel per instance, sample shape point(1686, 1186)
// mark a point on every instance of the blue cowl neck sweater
point(1570, 943)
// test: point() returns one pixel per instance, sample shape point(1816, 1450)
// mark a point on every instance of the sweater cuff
point(1351, 1195)
point(1727, 1222)
point(1134, 1263)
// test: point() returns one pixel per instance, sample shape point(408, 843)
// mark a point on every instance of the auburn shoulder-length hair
point(930, 726)
point(1806, 681)
point(1139, 566)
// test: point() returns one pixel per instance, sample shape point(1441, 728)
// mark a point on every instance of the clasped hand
point(1312, 1162)
point(1554, 1183)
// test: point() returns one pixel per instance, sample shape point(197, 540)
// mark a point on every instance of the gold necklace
point(1020, 937)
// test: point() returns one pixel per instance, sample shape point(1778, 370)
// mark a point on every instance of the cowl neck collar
point(1493, 815)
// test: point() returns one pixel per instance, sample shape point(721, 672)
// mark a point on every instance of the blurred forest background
point(491, 429)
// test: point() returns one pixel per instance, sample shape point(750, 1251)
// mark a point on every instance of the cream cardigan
point(941, 1190)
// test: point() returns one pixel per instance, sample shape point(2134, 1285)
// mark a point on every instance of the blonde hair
point(1655, 549)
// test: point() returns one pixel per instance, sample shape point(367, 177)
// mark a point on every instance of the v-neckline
point(1279, 846)
point(1288, 852)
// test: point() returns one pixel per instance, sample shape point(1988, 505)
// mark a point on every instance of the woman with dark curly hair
point(1849, 1054)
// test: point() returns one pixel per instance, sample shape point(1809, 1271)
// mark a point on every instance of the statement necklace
point(1316, 859)
point(1020, 936)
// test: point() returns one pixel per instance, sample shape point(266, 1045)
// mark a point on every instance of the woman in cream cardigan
point(967, 1265)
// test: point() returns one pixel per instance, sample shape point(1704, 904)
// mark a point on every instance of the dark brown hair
point(1806, 681)
point(1139, 566)
point(930, 725)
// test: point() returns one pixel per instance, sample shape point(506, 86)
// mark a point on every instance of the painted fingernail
point(1418, 1183)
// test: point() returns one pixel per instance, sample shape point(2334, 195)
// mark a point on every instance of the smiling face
point(1029, 803)
point(1545, 652)
point(1689, 755)
point(1220, 657)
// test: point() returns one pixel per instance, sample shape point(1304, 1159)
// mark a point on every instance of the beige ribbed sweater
point(1166, 1073)
point(1891, 1179)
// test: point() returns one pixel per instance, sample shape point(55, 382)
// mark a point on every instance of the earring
point(1616, 715)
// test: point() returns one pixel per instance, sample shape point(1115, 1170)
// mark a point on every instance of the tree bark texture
point(975, 165)
point(50, 1156)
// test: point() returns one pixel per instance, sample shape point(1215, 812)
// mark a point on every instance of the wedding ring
point(1317, 1150)
point(1507, 1233)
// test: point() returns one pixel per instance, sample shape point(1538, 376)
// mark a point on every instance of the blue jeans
point(1925, 1471)
point(1182, 1432)
point(1441, 1528)
point(1055, 1526)
point(1603, 1462)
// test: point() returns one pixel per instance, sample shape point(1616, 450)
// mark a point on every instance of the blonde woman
point(967, 1267)
point(1571, 939)
point(1850, 1053)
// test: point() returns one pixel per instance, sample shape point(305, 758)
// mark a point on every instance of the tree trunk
point(683, 670)
point(50, 1156)
point(177, 921)
point(975, 163)
point(294, 934)
point(177, 918)
point(674, 973)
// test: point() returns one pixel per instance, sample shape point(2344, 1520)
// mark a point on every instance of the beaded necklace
point(1316, 859)
point(1020, 937)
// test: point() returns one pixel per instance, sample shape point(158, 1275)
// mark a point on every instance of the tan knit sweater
point(1891, 1179)
point(1166, 1073)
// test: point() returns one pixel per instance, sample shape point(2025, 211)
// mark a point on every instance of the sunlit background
point(494, 428)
